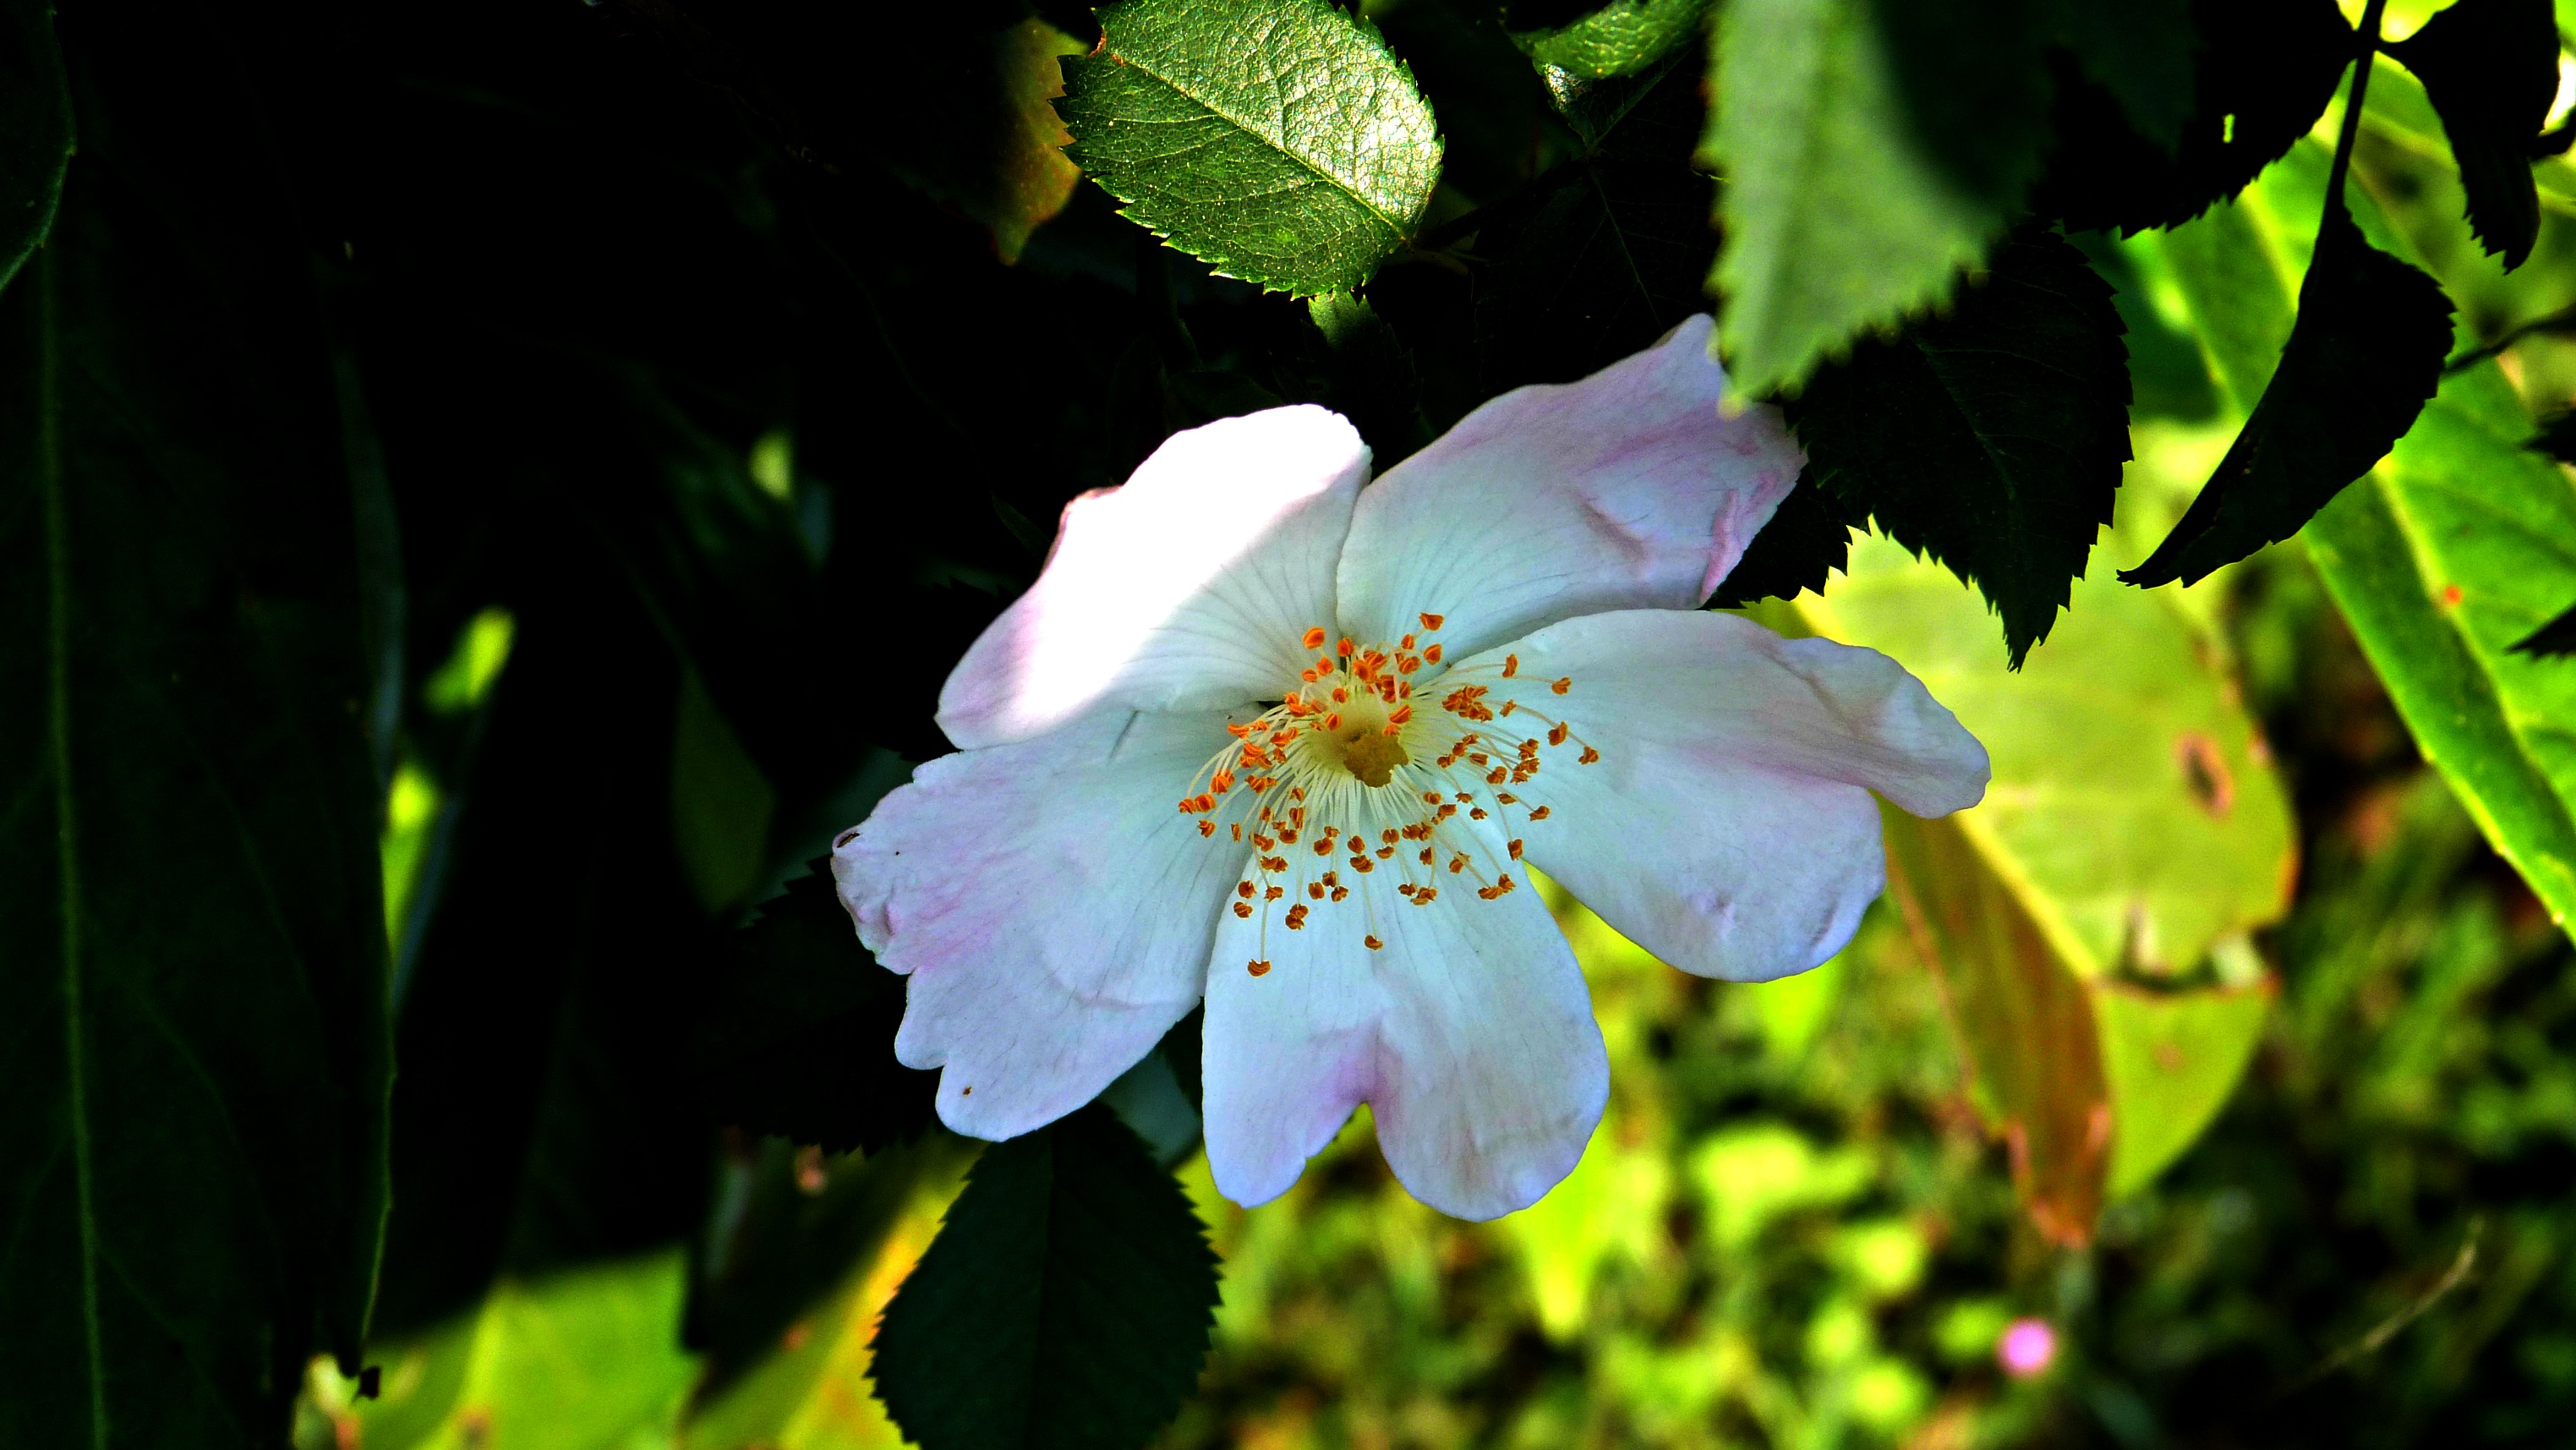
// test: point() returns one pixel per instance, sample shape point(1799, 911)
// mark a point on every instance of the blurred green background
point(2217, 1051)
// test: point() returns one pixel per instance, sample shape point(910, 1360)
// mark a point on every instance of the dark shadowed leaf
point(35, 129)
point(2365, 354)
point(1975, 93)
point(193, 1054)
point(1990, 436)
point(2490, 68)
point(800, 1043)
point(1277, 140)
point(1613, 258)
point(2557, 438)
point(2140, 52)
point(2263, 74)
point(1065, 1304)
point(2557, 637)
point(1808, 538)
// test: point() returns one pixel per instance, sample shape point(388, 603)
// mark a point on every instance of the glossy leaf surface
point(1279, 141)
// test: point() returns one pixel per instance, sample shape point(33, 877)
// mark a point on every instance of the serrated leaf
point(2454, 549)
point(193, 1037)
point(1806, 541)
point(2140, 52)
point(799, 1043)
point(1612, 259)
point(1278, 141)
point(1989, 436)
point(2264, 71)
point(1066, 1302)
point(1619, 39)
point(2366, 352)
point(35, 129)
point(2553, 640)
point(1836, 218)
point(2490, 68)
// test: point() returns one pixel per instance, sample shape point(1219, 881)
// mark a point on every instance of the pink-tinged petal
point(1727, 826)
point(1052, 905)
point(1470, 1035)
point(1626, 490)
point(1186, 588)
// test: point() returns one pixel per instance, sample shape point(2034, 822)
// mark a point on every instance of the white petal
point(1728, 826)
point(1187, 588)
point(1626, 490)
point(1053, 907)
point(1470, 1036)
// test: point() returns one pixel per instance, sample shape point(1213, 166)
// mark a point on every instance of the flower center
point(1344, 776)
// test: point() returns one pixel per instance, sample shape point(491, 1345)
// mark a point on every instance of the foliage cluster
point(485, 496)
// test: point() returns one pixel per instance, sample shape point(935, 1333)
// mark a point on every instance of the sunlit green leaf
point(1277, 140)
point(2452, 550)
point(1836, 219)
point(2171, 1059)
point(584, 1360)
point(1618, 39)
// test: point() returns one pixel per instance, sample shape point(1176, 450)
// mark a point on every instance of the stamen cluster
point(1345, 775)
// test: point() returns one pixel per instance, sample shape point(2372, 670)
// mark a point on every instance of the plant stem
point(2351, 129)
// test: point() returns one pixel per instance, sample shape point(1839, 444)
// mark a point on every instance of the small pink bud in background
point(2026, 1350)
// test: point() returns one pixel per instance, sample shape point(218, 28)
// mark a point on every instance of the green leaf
point(2023, 1022)
point(1989, 436)
point(1279, 141)
point(2140, 52)
point(721, 805)
point(2171, 1058)
point(2458, 548)
point(195, 1063)
point(1619, 39)
point(799, 1042)
point(35, 130)
point(1614, 258)
point(2134, 827)
point(2366, 352)
point(584, 1360)
point(2263, 72)
point(2490, 67)
point(1806, 541)
point(2451, 552)
point(1836, 218)
point(1065, 1303)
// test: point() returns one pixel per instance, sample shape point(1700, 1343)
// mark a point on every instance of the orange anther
point(1207, 828)
point(1426, 856)
point(1257, 968)
point(1297, 917)
point(1340, 891)
point(1457, 864)
point(1373, 942)
point(1406, 664)
point(1315, 890)
point(1515, 848)
point(1432, 621)
point(1431, 656)
point(1540, 814)
point(1324, 846)
point(1243, 889)
point(1243, 909)
point(1344, 647)
point(1425, 895)
point(1511, 666)
point(1333, 721)
point(1563, 685)
point(1557, 735)
point(1475, 813)
point(1238, 830)
point(1405, 643)
point(1272, 893)
point(1273, 863)
point(1498, 776)
point(1588, 756)
point(1314, 637)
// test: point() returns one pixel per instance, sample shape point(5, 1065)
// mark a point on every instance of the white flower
point(1269, 734)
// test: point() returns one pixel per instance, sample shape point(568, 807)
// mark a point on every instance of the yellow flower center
point(1346, 775)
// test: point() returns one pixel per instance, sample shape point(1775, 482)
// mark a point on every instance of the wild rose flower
point(1272, 735)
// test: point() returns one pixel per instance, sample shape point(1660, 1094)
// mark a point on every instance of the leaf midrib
point(1401, 228)
point(49, 471)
